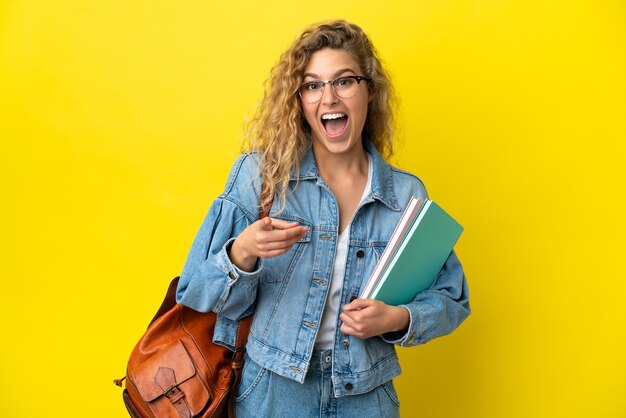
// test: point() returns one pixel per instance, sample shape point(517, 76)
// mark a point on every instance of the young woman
point(318, 142)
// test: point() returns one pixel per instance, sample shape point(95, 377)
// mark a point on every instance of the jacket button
point(352, 298)
point(348, 386)
point(360, 253)
point(346, 342)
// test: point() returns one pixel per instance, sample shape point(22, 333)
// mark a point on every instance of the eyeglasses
point(344, 87)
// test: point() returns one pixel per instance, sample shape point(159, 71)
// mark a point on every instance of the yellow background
point(120, 119)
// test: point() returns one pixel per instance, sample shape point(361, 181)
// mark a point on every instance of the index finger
point(281, 224)
point(357, 304)
point(288, 234)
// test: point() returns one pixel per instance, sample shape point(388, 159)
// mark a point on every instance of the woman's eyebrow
point(337, 73)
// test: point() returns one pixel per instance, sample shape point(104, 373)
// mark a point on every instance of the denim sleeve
point(438, 310)
point(209, 280)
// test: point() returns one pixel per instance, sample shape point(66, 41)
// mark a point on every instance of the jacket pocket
point(277, 269)
point(391, 392)
point(379, 248)
point(365, 265)
point(251, 376)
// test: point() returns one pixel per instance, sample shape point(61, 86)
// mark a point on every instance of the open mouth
point(334, 123)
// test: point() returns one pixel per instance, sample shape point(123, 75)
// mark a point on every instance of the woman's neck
point(346, 165)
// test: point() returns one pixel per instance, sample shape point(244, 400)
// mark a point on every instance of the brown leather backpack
point(176, 370)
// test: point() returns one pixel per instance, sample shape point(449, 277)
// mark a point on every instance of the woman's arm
point(224, 264)
point(209, 280)
point(432, 313)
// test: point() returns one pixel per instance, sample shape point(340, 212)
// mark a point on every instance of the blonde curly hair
point(278, 130)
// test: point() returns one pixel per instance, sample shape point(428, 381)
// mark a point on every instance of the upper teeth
point(333, 115)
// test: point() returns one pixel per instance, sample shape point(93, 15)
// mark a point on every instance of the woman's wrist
point(241, 258)
point(401, 319)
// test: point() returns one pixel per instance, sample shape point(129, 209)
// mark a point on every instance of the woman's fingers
point(266, 238)
point(273, 253)
point(280, 224)
point(283, 236)
point(276, 230)
point(365, 318)
point(350, 326)
point(280, 243)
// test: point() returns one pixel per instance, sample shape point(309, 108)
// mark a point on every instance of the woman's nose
point(328, 96)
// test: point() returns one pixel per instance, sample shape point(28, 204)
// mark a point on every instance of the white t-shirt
point(326, 335)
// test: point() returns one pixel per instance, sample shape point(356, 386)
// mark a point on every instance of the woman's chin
point(337, 144)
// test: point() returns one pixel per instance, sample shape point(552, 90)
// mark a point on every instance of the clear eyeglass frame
point(343, 87)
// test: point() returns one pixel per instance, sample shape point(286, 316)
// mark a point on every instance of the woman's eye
point(344, 82)
point(311, 86)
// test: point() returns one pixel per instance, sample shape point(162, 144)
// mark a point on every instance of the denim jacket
point(287, 293)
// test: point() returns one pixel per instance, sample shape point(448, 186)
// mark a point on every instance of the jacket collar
point(382, 176)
